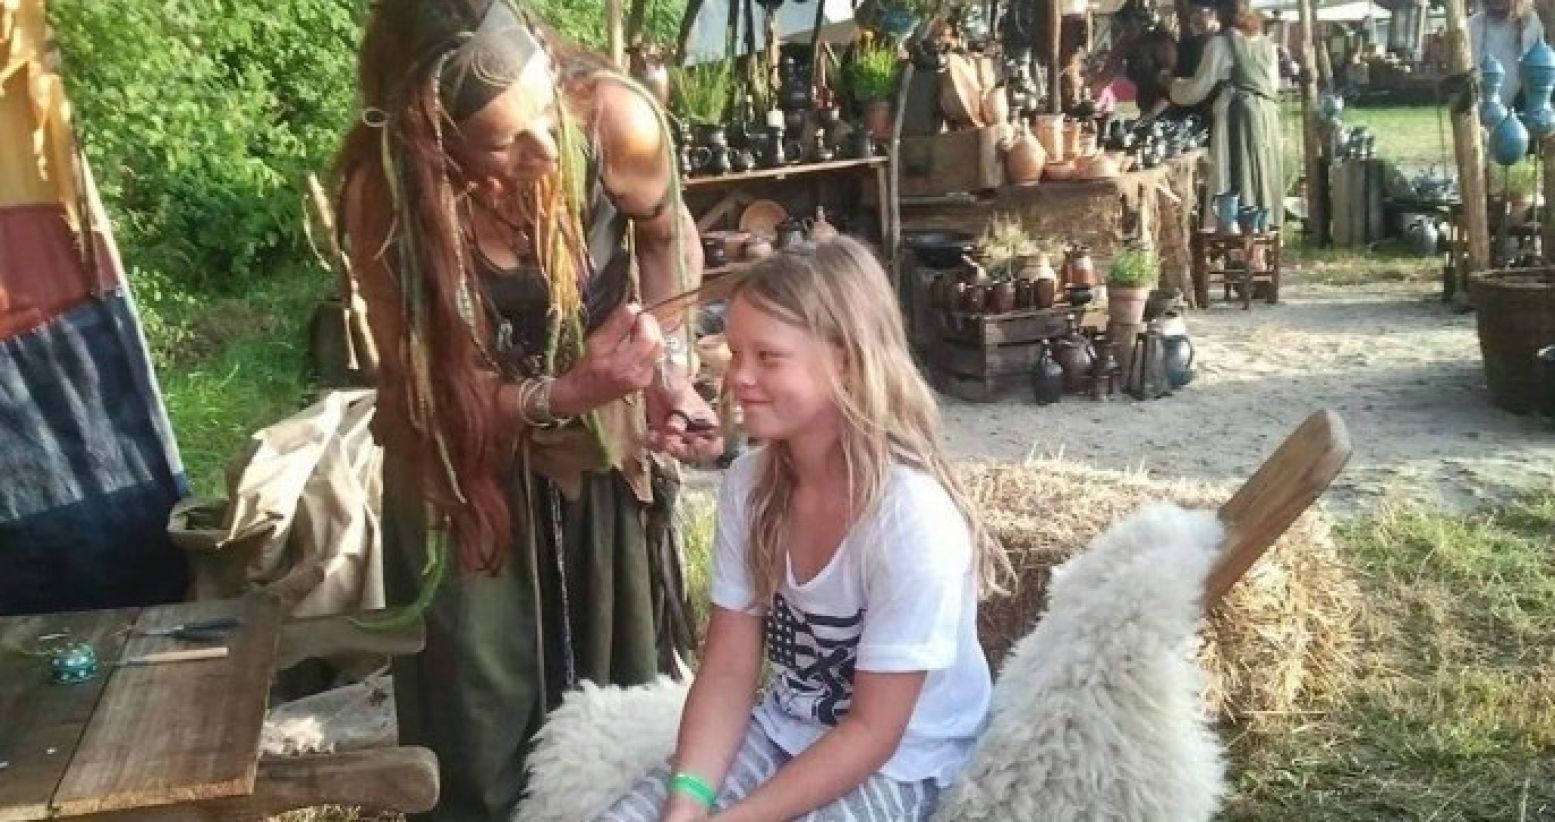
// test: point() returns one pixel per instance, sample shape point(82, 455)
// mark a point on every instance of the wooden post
point(1546, 11)
point(1470, 153)
point(1055, 42)
point(1313, 146)
point(613, 33)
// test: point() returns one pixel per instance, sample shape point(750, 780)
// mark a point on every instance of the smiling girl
point(845, 547)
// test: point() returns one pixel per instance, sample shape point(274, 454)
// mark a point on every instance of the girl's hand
point(620, 357)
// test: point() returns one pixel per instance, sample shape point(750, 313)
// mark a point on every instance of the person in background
point(1203, 26)
point(1505, 29)
point(1245, 139)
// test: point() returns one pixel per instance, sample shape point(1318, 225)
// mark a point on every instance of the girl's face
point(781, 375)
point(513, 138)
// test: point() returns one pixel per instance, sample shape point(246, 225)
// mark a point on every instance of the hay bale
point(1286, 629)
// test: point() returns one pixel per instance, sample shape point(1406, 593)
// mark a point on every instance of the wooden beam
point(1468, 150)
point(1313, 146)
point(400, 779)
point(1546, 11)
point(613, 33)
point(1055, 42)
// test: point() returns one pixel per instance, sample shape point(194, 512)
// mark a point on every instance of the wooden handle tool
point(191, 655)
point(1284, 486)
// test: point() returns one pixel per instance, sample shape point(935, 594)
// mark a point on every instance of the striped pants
point(878, 799)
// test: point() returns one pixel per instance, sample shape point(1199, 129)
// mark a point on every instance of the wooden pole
point(1546, 11)
point(1055, 42)
point(1470, 153)
point(1312, 143)
point(613, 33)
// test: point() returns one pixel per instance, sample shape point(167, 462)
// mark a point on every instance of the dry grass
point(1284, 631)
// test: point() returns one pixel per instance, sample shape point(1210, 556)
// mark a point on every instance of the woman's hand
point(620, 357)
point(681, 423)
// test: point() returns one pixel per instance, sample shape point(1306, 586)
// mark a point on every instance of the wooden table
point(181, 740)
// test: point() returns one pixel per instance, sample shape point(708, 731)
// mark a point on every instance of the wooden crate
point(965, 160)
point(989, 357)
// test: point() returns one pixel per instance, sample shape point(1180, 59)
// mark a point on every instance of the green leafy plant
point(872, 74)
point(701, 93)
point(1134, 268)
point(1517, 182)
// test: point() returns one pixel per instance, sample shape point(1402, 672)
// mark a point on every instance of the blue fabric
point(91, 470)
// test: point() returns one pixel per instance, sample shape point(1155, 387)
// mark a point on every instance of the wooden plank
point(178, 732)
point(800, 170)
point(977, 361)
point(402, 779)
point(43, 722)
point(971, 389)
point(1284, 486)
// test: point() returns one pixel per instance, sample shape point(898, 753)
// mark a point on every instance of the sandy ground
point(1401, 369)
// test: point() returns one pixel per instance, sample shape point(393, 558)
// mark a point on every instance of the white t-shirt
point(899, 595)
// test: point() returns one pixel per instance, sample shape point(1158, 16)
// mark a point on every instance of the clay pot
point(1126, 306)
point(996, 106)
point(1049, 131)
point(1001, 297)
point(1073, 131)
point(1076, 356)
point(1044, 292)
point(1078, 268)
point(1024, 159)
point(1037, 267)
point(975, 299)
point(877, 119)
point(1025, 294)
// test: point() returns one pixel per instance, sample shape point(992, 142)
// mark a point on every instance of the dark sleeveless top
point(520, 296)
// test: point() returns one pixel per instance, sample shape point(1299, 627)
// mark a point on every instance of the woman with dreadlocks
point(510, 204)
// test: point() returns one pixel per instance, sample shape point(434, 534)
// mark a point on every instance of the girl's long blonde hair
point(837, 291)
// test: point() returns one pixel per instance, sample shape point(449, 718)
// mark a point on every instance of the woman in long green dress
point(508, 203)
point(1241, 68)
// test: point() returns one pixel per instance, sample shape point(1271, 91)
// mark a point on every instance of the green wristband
point(691, 785)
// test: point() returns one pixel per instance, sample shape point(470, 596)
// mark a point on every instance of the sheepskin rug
point(1097, 713)
point(596, 745)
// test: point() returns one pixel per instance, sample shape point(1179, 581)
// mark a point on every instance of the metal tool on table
point(200, 630)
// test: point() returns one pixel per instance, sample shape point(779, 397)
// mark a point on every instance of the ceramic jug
point(1538, 68)
point(1491, 75)
point(1047, 378)
point(1508, 141)
point(1226, 209)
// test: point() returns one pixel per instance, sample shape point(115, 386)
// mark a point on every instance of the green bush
point(872, 75)
point(200, 117)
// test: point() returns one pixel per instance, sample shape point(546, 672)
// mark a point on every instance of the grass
point(1407, 135)
point(229, 366)
point(1452, 713)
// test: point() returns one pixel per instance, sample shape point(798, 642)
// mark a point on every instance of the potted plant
point(1129, 280)
point(872, 79)
point(701, 94)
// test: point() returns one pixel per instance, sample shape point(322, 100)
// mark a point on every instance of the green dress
point(591, 588)
point(1242, 75)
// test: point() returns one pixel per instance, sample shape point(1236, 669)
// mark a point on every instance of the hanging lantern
point(1508, 141)
point(1491, 110)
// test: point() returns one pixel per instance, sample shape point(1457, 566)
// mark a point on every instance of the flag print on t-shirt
point(814, 655)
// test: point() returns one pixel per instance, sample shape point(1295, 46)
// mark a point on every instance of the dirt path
point(1401, 369)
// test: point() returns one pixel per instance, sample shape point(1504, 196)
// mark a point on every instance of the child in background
point(847, 548)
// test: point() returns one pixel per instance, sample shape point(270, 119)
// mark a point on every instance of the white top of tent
point(1351, 12)
point(795, 21)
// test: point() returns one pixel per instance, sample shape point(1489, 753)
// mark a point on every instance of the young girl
point(846, 547)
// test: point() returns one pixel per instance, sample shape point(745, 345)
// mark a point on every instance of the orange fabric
point(37, 147)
